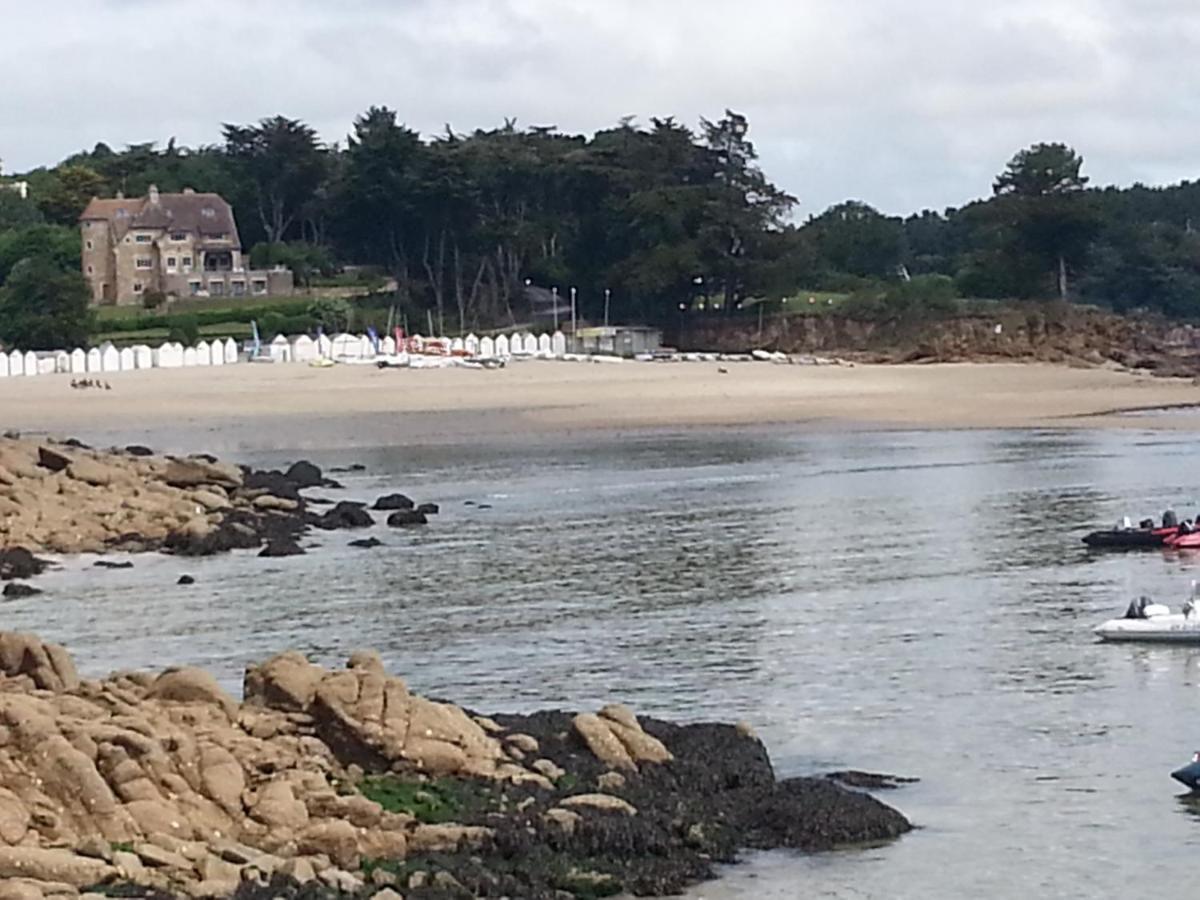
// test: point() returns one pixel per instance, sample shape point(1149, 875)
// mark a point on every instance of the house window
point(238, 288)
point(258, 286)
point(178, 237)
point(89, 270)
point(145, 262)
point(142, 238)
point(216, 288)
point(138, 287)
point(194, 287)
point(171, 263)
point(187, 262)
point(89, 245)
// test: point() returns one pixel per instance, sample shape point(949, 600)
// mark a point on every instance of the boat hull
point(1173, 629)
point(1130, 539)
point(1188, 776)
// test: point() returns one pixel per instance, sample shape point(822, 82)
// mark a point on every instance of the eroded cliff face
point(1042, 332)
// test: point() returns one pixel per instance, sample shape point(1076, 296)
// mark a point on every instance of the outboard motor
point(1147, 525)
point(1170, 520)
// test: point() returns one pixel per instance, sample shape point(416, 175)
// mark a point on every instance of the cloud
point(902, 105)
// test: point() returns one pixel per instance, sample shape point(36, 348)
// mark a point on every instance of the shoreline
point(289, 405)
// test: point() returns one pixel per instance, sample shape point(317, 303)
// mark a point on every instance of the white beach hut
point(471, 344)
point(558, 344)
point(167, 356)
point(387, 346)
point(304, 349)
point(487, 348)
point(62, 362)
point(110, 358)
point(31, 363)
point(502, 346)
point(231, 351)
point(143, 357)
point(366, 348)
point(204, 353)
point(78, 361)
point(189, 357)
point(128, 359)
point(324, 346)
point(279, 349)
point(529, 344)
point(458, 345)
point(94, 360)
point(544, 347)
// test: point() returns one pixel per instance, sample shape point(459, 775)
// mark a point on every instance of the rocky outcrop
point(346, 779)
point(67, 498)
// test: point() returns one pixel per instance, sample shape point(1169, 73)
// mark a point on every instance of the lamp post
point(554, 296)
point(607, 297)
point(574, 317)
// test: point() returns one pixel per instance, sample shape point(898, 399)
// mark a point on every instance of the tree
point(283, 163)
point(16, 211)
point(857, 239)
point(44, 308)
point(69, 191)
point(1041, 193)
point(56, 244)
point(747, 205)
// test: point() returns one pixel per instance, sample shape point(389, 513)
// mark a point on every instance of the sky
point(905, 106)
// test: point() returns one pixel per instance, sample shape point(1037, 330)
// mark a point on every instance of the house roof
point(203, 214)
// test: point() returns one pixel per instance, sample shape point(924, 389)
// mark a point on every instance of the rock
point(156, 857)
point(393, 502)
point(138, 450)
point(186, 579)
point(429, 509)
point(277, 807)
point(603, 743)
point(446, 838)
point(548, 769)
point(602, 802)
point(108, 564)
point(92, 472)
point(386, 894)
point(281, 547)
point(524, 742)
point(192, 473)
point(611, 781)
point(21, 890)
point(406, 518)
point(191, 685)
point(299, 869)
point(53, 460)
point(17, 562)
point(14, 818)
point(367, 543)
point(18, 591)
point(270, 502)
point(211, 500)
point(563, 819)
point(286, 682)
point(59, 865)
point(270, 482)
point(305, 475)
point(337, 840)
point(48, 665)
point(344, 515)
point(96, 848)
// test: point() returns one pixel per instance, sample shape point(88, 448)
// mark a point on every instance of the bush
point(44, 308)
point(924, 297)
point(331, 314)
point(185, 330)
point(153, 299)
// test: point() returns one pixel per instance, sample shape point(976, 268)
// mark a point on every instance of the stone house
point(180, 245)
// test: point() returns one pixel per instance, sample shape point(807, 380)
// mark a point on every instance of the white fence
point(108, 359)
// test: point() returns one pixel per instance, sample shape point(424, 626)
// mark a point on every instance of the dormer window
point(178, 237)
point(143, 238)
point(208, 212)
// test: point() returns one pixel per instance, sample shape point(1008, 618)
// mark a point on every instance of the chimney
point(120, 195)
point(188, 190)
point(154, 193)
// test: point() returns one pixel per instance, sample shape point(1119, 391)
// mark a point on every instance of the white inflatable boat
point(1154, 623)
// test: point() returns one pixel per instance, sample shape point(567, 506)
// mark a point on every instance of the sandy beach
point(283, 405)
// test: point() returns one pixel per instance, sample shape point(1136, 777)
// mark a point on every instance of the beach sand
point(290, 405)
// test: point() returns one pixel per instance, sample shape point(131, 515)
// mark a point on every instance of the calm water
point(916, 603)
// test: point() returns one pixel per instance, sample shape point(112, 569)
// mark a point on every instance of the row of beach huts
point(348, 348)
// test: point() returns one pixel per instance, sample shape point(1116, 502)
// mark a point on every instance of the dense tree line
point(651, 219)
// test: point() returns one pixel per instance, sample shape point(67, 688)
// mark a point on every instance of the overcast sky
point(904, 105)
